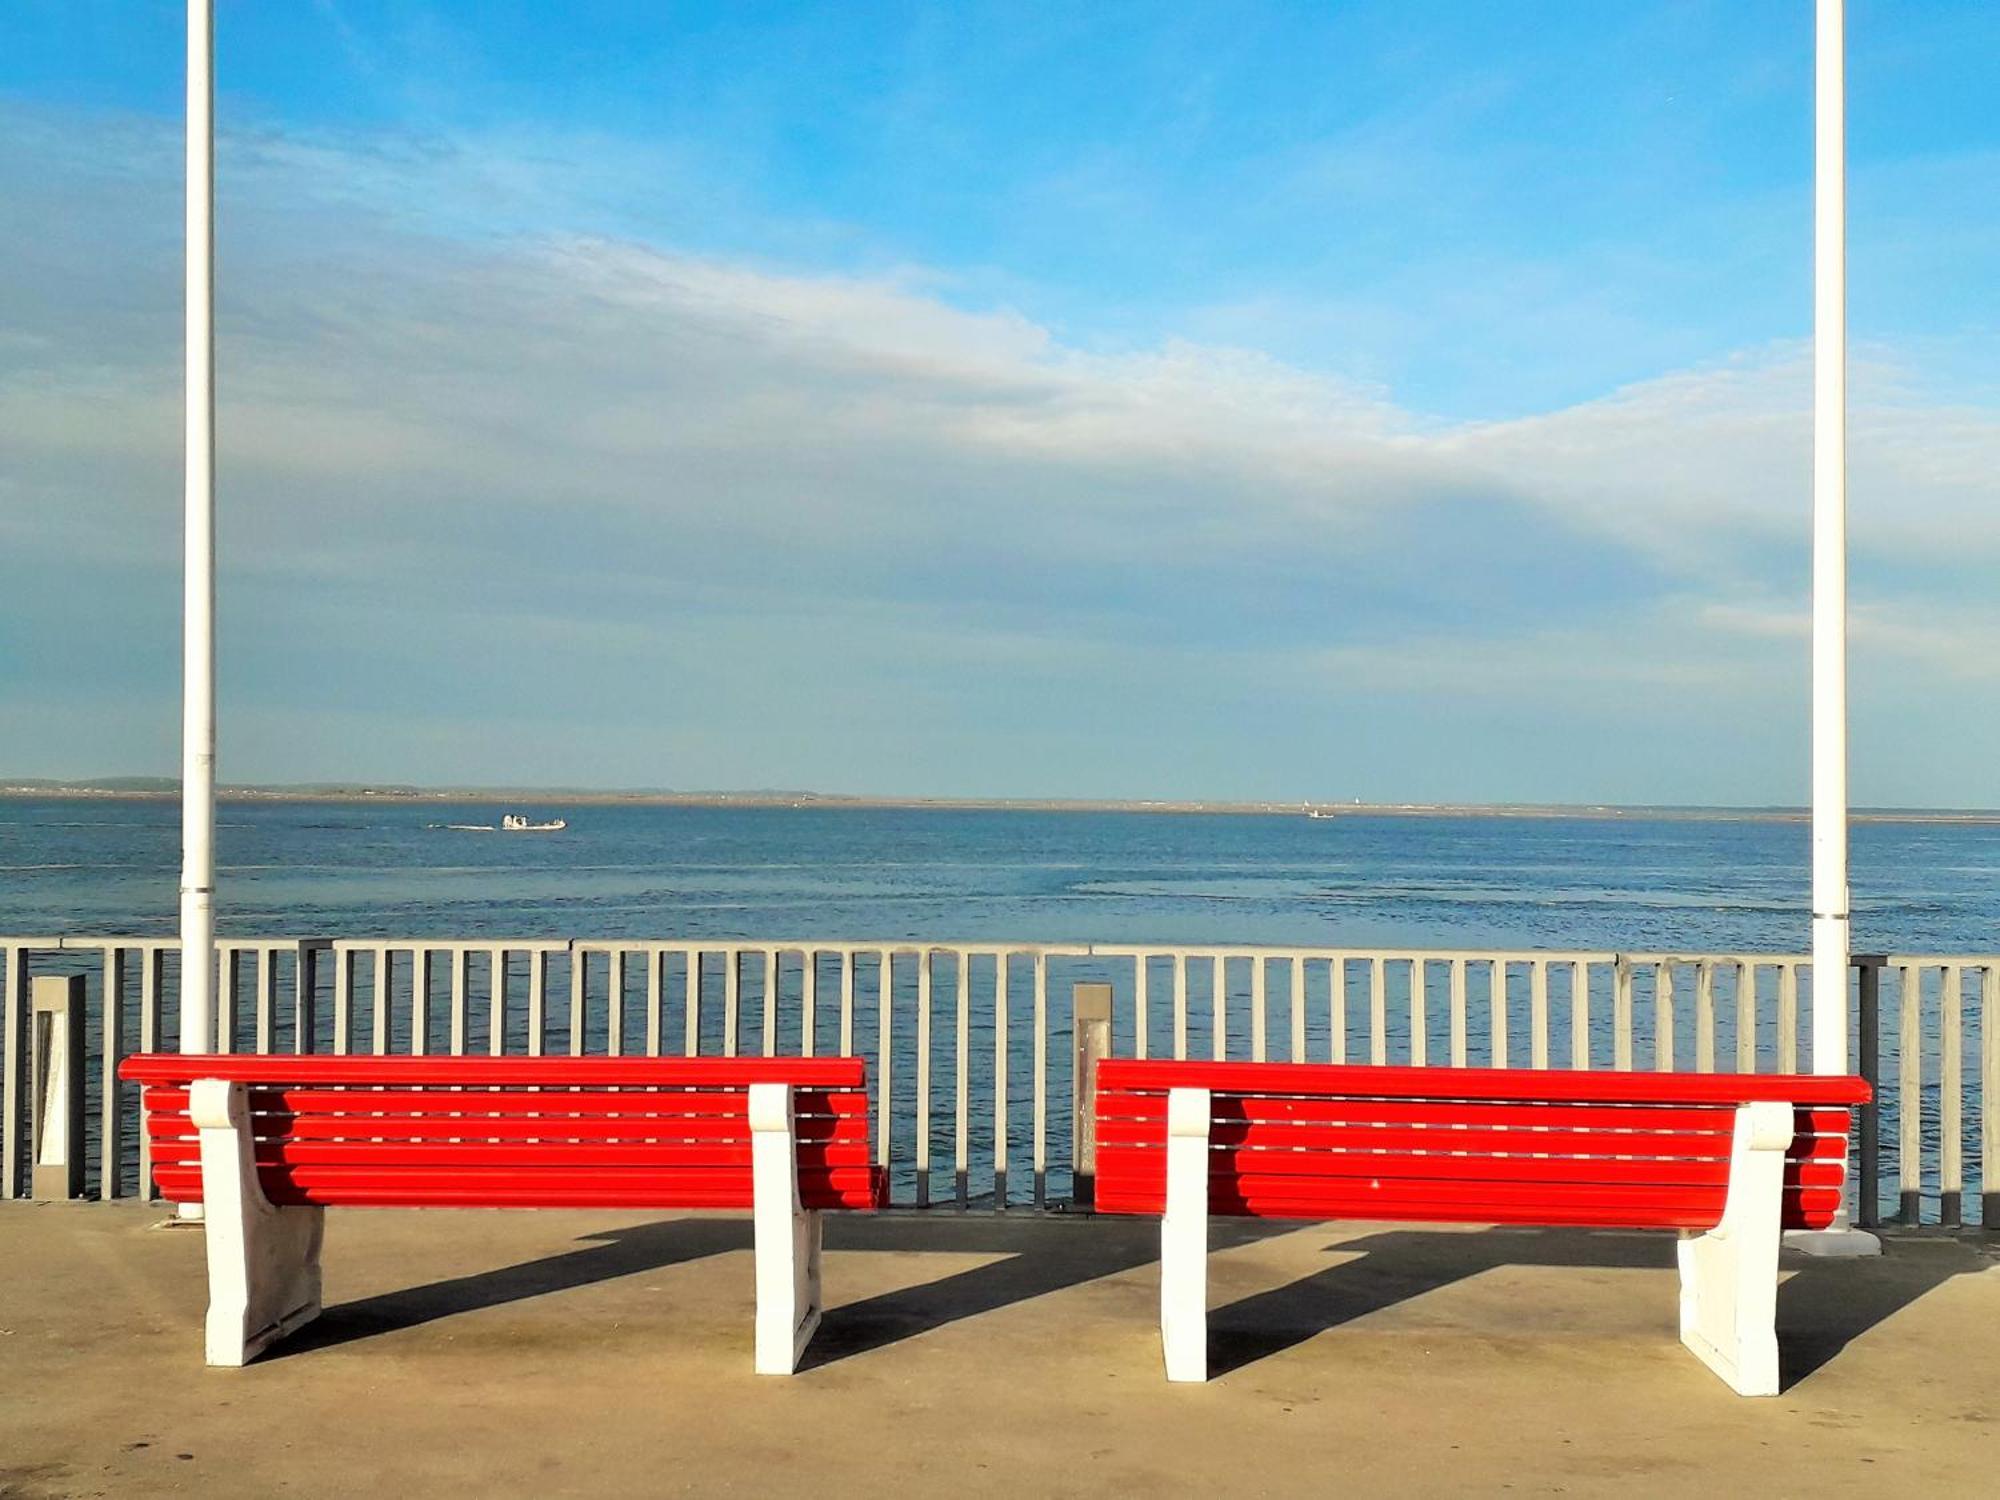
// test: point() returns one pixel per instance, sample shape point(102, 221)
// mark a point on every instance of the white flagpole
point(197, 915)
point(1831, 930)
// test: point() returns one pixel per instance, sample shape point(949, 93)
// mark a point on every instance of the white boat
point(515, 823)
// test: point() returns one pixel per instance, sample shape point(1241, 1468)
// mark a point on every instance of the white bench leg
point(787, 1236)
point(263, 1260)
point(1729, 1276)
point(1184, 1237)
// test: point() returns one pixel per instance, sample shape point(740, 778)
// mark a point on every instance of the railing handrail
point(1354, 952)
point(1277, 952)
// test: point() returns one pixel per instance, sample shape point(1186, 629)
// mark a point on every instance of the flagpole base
point(1833, 1244)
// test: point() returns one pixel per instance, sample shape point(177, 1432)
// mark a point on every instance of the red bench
point(1729, 1160)
point(267, 1144)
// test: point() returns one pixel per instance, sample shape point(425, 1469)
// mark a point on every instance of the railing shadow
point(1822, 1307)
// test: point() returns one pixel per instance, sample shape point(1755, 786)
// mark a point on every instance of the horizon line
point(161, 788)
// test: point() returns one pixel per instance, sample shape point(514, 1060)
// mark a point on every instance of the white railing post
point(14, 1085)
point(1419, 1013)
point(1090, 1024)
point(378, 1013)
point(1459, 1055)
point(496, 1002)
point(460, 1000)
point(962, 1083)
point(267, 998)
point(924, 956)
point(1910, 1094)
point(1579, 1015)
point(1951, 1093)
point(885, 1060)
point(111, 1036)
point(1621, 1014)
point(1989, 1091)
point(1868, 1119)
point(56, 1024)
point(1538, 1014)
point(152, 984)
point(1000, 1045)
point(1041, 1165)
point(538, 1001)
point(1298, 1050)
point(656, 998)
point(1378, 1012)
point(305, 995)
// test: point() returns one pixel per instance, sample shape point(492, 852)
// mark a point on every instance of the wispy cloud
point(723, 521)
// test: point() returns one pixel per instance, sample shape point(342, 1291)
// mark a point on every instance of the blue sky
point(1394, 401)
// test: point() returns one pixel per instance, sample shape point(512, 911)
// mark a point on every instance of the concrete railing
point(977, 1050)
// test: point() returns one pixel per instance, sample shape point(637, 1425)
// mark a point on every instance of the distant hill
point(148, 784)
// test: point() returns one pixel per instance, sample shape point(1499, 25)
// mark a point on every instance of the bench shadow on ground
point(598, 1257)
point(1036, 1256)
point(1823, 1305)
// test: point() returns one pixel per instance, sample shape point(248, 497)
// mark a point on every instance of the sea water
point(624, 870)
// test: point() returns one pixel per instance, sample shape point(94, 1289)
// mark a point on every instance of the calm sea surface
point(345, 869)
point(391, 869)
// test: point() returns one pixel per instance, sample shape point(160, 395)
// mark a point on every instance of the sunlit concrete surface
point(544, 1353)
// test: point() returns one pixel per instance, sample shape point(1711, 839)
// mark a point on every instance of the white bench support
point(263, 1260)
point(1729, 1276)
point(1184, 1237)
point(787, 1236)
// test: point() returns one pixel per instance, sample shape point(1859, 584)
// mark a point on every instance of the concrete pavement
point(559, 1353)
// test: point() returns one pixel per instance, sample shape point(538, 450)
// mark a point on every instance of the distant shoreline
point(118, 791)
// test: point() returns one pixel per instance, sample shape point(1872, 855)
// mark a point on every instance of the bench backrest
point(529, 1132)
point(1484, 1145)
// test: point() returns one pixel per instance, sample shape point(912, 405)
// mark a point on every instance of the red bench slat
point(557, 1072)
point(1803, 1209)
point(515, 1132)
point(1481, 1084)
point(512, 1104)
point(842, 1188)
point(551, 1127)
point(520, 1153)
point(1322, 1141)
point(1436, 1137)
point(1518, 1114)
point(1472, 1168)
